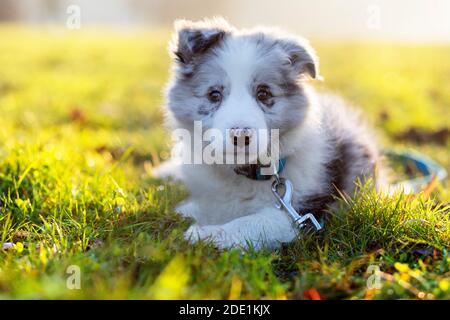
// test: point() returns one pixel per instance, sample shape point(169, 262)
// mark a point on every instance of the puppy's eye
point(263, 95)
point(215, 96)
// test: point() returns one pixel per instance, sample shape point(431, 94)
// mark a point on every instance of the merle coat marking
point(326, 146)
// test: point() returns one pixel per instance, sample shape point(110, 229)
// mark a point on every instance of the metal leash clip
point(285, 202)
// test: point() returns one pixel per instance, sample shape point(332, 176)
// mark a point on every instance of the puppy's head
point(239, 82)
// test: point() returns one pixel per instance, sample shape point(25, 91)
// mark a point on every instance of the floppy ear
point(301, 57)
point(192, 39)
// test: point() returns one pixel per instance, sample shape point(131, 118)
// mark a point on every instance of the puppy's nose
point(241, 136)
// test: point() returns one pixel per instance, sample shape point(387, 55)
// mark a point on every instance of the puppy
point(241, 83)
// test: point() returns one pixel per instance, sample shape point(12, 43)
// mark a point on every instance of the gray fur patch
point(206, 110)
point(194, 39)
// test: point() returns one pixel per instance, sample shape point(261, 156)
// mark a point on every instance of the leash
point(429, 169)
point(426, 166)
point(283, 200)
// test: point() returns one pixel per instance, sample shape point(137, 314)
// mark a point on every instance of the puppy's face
point(240, 83)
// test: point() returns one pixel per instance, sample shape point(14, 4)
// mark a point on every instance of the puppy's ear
point(302, 57)
point(192, 39)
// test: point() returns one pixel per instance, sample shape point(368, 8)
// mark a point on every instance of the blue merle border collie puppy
point(240, 82)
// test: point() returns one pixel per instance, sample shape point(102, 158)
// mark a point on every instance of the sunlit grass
point(81, 129)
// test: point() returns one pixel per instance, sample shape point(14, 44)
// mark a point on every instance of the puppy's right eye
point(215, 96)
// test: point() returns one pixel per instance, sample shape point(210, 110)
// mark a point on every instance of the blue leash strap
point(428, 167)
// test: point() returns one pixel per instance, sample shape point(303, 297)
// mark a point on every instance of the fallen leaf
point(312, 294)
point(77, 115)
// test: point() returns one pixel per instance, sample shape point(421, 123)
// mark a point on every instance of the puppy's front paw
point(215, 234)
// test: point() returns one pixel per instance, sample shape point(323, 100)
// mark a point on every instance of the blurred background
point(407, 20)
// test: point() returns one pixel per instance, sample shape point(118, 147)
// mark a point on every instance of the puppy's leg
point(168, 169)
point(267, 228)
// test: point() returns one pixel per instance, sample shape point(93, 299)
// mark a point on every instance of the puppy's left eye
point(215, 96)
point(263, 95)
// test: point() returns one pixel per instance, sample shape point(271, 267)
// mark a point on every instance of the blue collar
point(253, 171)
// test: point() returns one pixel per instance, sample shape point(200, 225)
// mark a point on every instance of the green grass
point(81, 129)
